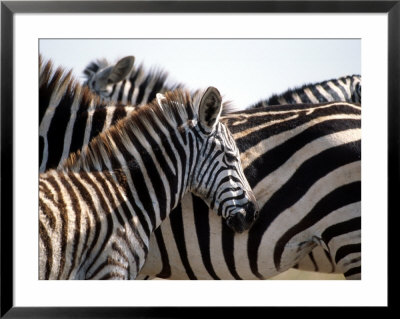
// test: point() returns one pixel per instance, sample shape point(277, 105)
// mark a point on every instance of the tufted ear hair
point(121, 69)
point(210, 108)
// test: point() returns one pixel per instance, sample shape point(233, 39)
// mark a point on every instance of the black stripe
point(202, 224)
point(340, 197)
point(62, 208)
point(341, 228)
point(353, 271)
point(107, 263)
point(166, 268)
point(133, 249)
point(132, 80)
point(305, 176)
point(317, 94)
point(302, 117)
point(118, 249)
point(341, 88)
point(311, 255)
point(41, 149)
point(151, 170)
point(105, 211)
point(128, 243)
point(138, 181)
point(78, 133)
point(121, 90)
point(48, 247)
point(57, 129)
point(48, 213)
point(142, 90)
point(158, 87)
point(76, 209)
point(122, 182)
point(331, 92)
point(178, 232)
point(290, 99)
point(119, 113)
point(343, 251)
point(268, 162)
point(228, 237)
point(172, 156)
point(112, 275)
point(89, 201)
point(98, 120)
point(113, 90)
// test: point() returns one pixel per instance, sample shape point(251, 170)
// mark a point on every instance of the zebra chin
point(242, 219)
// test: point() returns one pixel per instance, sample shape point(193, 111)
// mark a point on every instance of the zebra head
point(216, 174)
point(101, 77)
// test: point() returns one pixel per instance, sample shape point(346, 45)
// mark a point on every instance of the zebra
point(303, 163)
point(171, 230)
point(346, 89)
point(66, 126)
point(97, 211)
point(122, 82)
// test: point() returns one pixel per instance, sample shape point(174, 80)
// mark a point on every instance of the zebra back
point(345, 89)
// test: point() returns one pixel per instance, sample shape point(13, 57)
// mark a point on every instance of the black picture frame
point(9, 8)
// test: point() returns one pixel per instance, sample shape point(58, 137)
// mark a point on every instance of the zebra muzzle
point(243, 219)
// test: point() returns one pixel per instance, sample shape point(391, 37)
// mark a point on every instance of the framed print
point(248, 51)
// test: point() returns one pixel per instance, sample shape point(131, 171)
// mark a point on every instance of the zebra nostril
point(252, 210)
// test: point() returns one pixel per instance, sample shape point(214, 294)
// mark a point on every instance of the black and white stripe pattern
point(345, 89)
point(67, 124)
point(75, 124)
point(97, 212)
point(303, 163)
point(124, 83)
point(201, 246)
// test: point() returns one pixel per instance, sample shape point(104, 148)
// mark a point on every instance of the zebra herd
point(112, 199)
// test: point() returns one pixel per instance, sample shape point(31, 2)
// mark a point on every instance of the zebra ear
point(210, 108)
point(121, 69)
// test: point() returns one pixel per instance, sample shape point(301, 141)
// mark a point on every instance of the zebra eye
point(230, 158)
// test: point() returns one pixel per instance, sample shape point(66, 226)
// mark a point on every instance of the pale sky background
point(244, 70)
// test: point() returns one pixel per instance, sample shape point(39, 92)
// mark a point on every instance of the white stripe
point(70, 126)
point(310, 95)
point(88, 127)
point(337, 90)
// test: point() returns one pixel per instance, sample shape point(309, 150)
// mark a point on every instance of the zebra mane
point(297, 89)
point(175, 111)
point(59, 87)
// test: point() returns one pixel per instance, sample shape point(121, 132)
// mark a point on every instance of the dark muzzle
point(243, 220)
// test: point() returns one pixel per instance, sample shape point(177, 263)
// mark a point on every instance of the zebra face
point(102, 82)
point(218, 176)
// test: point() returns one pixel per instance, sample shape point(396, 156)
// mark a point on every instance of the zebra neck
point(155, 178)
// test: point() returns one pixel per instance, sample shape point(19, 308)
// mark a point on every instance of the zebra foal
point(97, 212)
